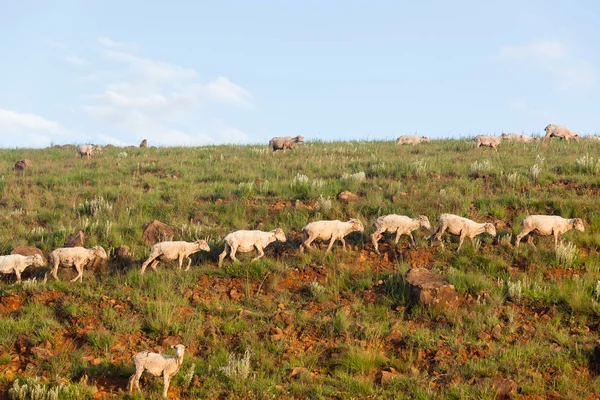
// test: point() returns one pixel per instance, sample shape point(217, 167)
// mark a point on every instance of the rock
point(170, 341)
point(156, 231)
point(109, 146)
point(484, 336)
point(497, 332)
point(40, 352)
point(505, 388)
point(28, 251)
point(144, 143)
point(427, 288)
point(123, 252)
point(396, 339)
point(384, 376)
point(245, 314)
point(347, 196)
point(277, 334)
point(22, 165)
point(298, 372)
point(76, 240)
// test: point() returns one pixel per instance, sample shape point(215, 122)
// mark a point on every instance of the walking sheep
point(156, 364)
point(76, 257)
point(518, 137)
point(88, 150)
point(172, 251)
point(282, 143)
point(330, 230)
point(398, 224)
point(488, 141)
point(545, 225)
point(463, 227)
point(414, 140)
point(246, 241)
point(17, 263)
point(560, 132)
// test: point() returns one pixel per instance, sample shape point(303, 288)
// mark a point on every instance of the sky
point(189, 73)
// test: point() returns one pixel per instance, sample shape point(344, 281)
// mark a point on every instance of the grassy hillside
point(527, 314)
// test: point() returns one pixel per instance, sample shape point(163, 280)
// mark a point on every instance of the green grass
point(333, 314)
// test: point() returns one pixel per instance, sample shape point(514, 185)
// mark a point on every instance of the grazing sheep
point(330, 230)
point(88, 150)
point(156, 364)
point(414, 140)
point(17, 263)
point(398, 224)
point(560, 132)
point(594, 138)
point(172, 251)
point(461, 226)
point(488, 141)
point(545, 225)
point(246, 241)
point(282, 143)
point(76, 257)
point(518, 137)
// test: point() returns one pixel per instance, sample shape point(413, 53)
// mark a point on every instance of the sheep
point(17, 263)
point(594, 138)
point(399, 224)
point(560, 132)
point(488, 141)
point(246, 241)
point(330, 230)
point(545, 225)
point(461, 226)
point(518, 137)
point(282, 143)
point(76, 257)
point(156, 364)
point(172, 251)
point(88, 150)
point(414, 140)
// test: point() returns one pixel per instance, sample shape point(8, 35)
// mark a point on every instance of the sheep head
point(576, 137)
point(279, 234)
point(549, 128)
point(100, 252)
point(425, 139)
point(38, 261)
point(299, 139)
point(490, 228)
point(504, 135)
point(424, 222)
point(202, 245)
point(357, 225)
point(179, 350)
point(578, 224)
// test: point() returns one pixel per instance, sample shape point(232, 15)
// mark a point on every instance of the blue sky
point(198, 72)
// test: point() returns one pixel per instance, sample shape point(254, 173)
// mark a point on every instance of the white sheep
point(330, 230)
point(594, 138)
point(413, 140)
point(488, 141)
point(88, 150)
point(286, 142)
point(172, 251)
point(560, 132)
point(156, 364)
point(461, 226)
point(76, 257)
point(518, 137)
point(246, 241)
point(545, 225)
point(17, 263)
point(398, 224)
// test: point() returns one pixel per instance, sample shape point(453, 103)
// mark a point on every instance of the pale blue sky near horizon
point(198, 72)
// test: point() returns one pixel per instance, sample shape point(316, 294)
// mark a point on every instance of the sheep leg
point(18, 274)
point(343, 243)
point(167, 380)
point(180, 259)
point(375, 238)
point(147, 262)
point(55, 271)
point(438, 235)
point(556, 236)
point(135, 380)
point(530, 241)
point(472, 242)
point(189, 263)
point(79, 269)
point(460, 241)
point(412, 239)
point(331, 241)
point(260, 253)
point(223, 254)
point(232, 253)
point(306, 244)
point(521, 235)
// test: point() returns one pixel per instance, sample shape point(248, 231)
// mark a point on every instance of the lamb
point(282, 143)
point(545, 225)
point(172, 251)
point(88, 150)
point(76, 257)
point(246, 241)
point(461, 226)
point(560, 132)
point(156, 364)
point(518, 137)
point(488, 141)
point(330, 230)
point(399, 224)
point(414, 140)
point(17, 263)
